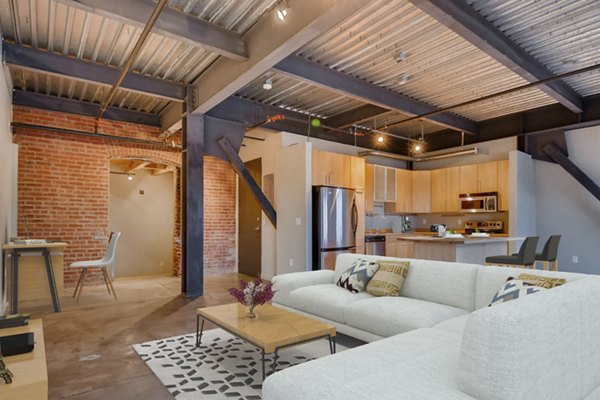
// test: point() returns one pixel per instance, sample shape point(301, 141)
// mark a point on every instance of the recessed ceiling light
point(281, 14)
point(268, 85)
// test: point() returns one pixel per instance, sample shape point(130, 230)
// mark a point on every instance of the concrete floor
point(88, 346)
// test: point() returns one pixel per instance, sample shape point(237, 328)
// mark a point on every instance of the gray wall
point(7, 171)
point(565, 207)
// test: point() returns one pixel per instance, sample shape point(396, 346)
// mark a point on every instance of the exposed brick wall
point(63, 184)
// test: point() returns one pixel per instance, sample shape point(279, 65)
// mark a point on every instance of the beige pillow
point(541, 281)
point(388, 279)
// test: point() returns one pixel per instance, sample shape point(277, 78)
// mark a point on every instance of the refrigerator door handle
point(354, 217)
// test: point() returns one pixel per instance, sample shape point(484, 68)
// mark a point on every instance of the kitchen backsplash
point(379, 220)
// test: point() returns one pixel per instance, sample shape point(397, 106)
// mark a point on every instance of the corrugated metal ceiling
point(54, 26)
point(564, 35)
point(443, 69)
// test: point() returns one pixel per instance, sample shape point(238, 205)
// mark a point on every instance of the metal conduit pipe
point(134, 53)
point(96, 135)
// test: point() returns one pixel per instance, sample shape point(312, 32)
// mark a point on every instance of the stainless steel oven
point(479, 202)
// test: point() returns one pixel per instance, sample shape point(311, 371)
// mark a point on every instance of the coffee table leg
point(199, 330)
point(332, 344)
point(263, 365)
point(274, 366)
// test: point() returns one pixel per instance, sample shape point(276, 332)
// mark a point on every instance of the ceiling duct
point(430, 156)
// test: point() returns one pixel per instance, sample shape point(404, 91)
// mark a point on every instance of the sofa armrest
point(286, 283)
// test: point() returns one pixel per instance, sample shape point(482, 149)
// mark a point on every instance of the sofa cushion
point(389, 278)
point(356, 278)
point(418, 365)
point(514, 289)
point(284, 284)
point(490, 279)
point(554, 334)
point(326, 301)
point(387, 316)
point(440, 282)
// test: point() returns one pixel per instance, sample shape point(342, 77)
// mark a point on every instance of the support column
point(192, 192)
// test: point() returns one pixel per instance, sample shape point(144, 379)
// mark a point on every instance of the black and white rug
point(223, 367)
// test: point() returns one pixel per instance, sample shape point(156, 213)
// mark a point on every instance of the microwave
point(479, 202)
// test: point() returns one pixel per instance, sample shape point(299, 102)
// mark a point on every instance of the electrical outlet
point(298, 221)
point(424, 221)
point(460, 222)
point(575, 259)
point(291, 262)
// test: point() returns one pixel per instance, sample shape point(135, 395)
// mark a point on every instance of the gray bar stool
point(525, 258)
point(550, 253)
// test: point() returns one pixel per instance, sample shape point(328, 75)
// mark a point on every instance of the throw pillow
point(388, 279)
point(356, 278)
point(542, 281)
point(514, 289)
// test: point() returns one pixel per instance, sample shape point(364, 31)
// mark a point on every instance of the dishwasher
point(375, 245)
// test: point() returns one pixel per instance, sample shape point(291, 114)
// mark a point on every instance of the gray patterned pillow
point(514, 289)
point(356, 278)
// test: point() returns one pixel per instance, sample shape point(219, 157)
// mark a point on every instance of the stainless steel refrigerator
point(335, 218)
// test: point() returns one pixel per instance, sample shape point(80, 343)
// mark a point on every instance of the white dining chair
point(104, 263)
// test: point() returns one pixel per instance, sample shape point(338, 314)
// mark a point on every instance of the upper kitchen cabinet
point(477, 178)
point(333, 169)
point(503, 185)
point(439, 190)
point(369, 187)
point(421, 186)
point(452, 189)
point(404, 190)
point(384, 184)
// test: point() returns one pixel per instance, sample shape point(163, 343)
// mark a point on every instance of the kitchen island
point(466, 249)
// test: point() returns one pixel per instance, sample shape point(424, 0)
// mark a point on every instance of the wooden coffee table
point(272, 330)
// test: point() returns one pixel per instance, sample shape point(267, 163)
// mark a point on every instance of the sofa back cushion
point(490, 279)
point(544, 346)
point(448, 283)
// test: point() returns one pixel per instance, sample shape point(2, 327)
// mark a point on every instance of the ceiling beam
point(251, 113)
point(476, 29)
point(531, 122)
point(355, 116)
point(172, 23)
point(53, 103)
point(134, 165)
point(330, 79)
point(269, 42)
point(87, 71)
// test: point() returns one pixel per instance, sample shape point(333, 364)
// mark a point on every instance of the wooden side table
point(30, 380)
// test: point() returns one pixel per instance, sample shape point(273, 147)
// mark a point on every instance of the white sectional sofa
point(439, 340)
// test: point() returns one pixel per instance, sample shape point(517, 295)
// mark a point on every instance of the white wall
point(488, 151)
point(8, 172)
point(146, 221)
point(294, 208)
point(565, 207)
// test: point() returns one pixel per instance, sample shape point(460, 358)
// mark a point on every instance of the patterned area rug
point(223, 367)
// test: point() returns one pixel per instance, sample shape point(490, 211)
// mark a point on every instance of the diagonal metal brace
point(561, 159)
point(240, 168)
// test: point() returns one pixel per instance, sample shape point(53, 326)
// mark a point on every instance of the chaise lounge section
point(439, 340)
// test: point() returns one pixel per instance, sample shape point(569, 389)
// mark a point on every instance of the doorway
point(141, 207)
point(250, 224)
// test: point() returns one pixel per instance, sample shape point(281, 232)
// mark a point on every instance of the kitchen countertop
point(464, 240)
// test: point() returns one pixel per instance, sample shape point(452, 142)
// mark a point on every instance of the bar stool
point(550, 253)
point(525, 258)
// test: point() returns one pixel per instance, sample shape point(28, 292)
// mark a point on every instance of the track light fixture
point(129, 177)
point(380, 139)
point(283, 11)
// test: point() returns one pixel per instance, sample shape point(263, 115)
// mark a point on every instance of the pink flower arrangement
point(252, 294)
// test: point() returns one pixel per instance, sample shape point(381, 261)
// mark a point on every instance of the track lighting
point(268, 85)
point(129, 177)
point(380, 139)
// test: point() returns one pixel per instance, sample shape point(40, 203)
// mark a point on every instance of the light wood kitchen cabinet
point(468, 179)
point(357, 173)
point(385, 184)
point(404, 191)
point(452, 189)
point(369, 188)
point(439, 197)
point(395, 247)
point(503, 185)
point(487, 176)
point(476, 178)
point(335, 169)
point(421, 186)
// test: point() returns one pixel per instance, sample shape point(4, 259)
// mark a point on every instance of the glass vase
point(251, 313)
